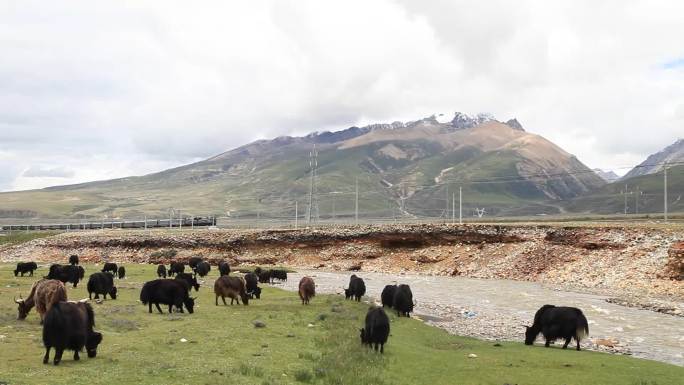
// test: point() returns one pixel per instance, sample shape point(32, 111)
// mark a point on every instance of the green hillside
point(401, 171)
point(646, 191)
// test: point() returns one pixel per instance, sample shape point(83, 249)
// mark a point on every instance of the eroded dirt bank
point(638, 265)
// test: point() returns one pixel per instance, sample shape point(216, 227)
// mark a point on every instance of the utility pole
point(453, 208)
point(624, 193)
point(180, 221)
point(356, 203)
point(313, 199)
point(636, 198)
point(460, 206)
point(333, 208)
point(446, 202)
point(170, 219)
point(665, 192)
point(145, 222)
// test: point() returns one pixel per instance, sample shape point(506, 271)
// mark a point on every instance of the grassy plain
point(316, 344)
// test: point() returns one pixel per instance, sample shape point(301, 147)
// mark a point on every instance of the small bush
point(303, 375)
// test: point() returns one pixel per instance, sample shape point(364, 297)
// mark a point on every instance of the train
point(113, 224)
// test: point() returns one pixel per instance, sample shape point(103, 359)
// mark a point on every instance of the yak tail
point(53, 326)
point(582, 327)
point(91, 315)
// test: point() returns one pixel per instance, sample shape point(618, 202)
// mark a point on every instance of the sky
point(93, 90)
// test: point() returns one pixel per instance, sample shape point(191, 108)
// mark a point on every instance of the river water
point(497, 309)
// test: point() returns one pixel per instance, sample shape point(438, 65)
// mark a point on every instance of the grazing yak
point(253, 290)
point(387, 296)
point(202, 269)
point(73, 259)
point(279, 274)
point(224, 268)
point(110, 268)
point(356, 290)
point(69, 326)
point(403, 301)
point(101, 283)
point(307, 289)
point(558, 322)
point(168, 292)
point(66, 273)
point(232, 287)
point(25, 267)
point(161, 271)
point(122, 272)
point(44, 294)
point(188, 280)
point(377, 329)
point(265, 276)
point(176, 267)
point(193, 262)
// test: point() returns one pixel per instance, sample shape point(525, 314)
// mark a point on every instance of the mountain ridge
point(401, 168)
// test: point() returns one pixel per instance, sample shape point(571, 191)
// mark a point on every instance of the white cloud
point(109, 89)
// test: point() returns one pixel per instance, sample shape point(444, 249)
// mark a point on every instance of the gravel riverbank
point(497, 309)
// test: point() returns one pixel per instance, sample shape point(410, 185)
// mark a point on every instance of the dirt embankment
point(614, 260)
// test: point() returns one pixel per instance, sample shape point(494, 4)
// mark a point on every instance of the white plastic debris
point(183, 340)
point(472, 355)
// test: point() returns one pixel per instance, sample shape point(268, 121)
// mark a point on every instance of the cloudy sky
point(101, 89)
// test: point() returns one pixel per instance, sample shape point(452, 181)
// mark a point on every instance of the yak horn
point(19, 301)
point(84, 300)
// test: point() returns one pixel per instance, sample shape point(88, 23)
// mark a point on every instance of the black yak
point(251, 281)
point(44, 294)
point(161, 271)
point(232, 287)
point(193, 262)
point(110, 268)
point(25, 267)
point(224, 268)
point(168, 292)
point(203, 268)
point(377, 329)
point(66, 273)
point(101, 283)
point(188, 280)
point(403, 301)
point(265, 276)
point(357, 288)
point(176, 267)
point(558, 322)
point(69, 326)
point(279, 274)
point(307, 289)
point(387, 296)
point(73, 259)
point(122, 272)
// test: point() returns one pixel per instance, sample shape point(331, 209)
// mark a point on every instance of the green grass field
point(316, 344)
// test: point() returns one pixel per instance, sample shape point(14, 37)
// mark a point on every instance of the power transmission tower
point(665, 192)
point(312, 210)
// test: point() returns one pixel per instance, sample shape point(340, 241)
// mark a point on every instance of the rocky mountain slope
point(673, 153)
point(408, 169)
point(608, 176)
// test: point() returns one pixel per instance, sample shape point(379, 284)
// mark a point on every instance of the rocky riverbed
point(498, 309)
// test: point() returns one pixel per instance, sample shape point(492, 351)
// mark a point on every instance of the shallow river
point(497, 309)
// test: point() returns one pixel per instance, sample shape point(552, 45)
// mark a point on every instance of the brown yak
point(307, 289)
point(232, 287)
point(44, 294)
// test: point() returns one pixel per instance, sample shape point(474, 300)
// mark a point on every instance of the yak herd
point(68, 325)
